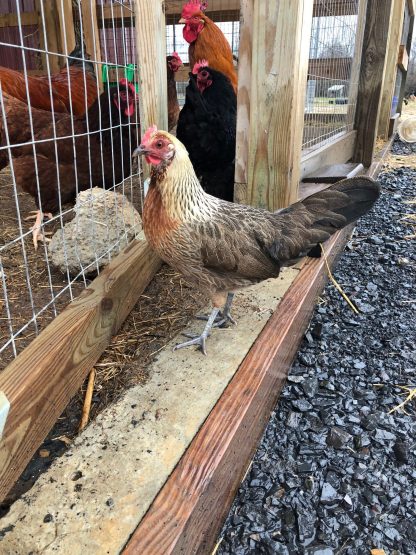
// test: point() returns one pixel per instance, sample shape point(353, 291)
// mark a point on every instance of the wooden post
point(279, 65)
point(407, 43)
point(151, 58)
point(92, 36)
point(66, 27)
point(356, 61)
point(372, 72)
point(243, 101)
point(391, 68)
point(50, 32)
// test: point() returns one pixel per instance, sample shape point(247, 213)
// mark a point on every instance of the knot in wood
point(107, 304)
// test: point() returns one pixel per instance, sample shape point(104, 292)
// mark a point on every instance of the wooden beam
point(339, 151)
point(407, 40)
point(188, 513)
point(175, 6)
point(412, 7)
point(92, 36)
point(356, 62)
point(151, 58)
point(48, 35)
point(372, 72)
point(245, 52)
point(11, 20)
point(403, 58)
point(40, 382)
point(66, 27)
point(392, 54)
point(332, 8)
point(281, 31)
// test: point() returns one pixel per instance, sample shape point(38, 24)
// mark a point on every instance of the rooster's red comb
point(198, 65)
point(149, 134)
point(193, 7)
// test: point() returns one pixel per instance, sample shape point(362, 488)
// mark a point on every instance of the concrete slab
point(92, 498)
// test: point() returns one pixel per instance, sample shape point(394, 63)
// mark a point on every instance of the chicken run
point(194, 123)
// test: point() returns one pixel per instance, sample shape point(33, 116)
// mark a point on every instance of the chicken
point(13, 83)
point(18, 124)
point(91, 166)
point(221, 247)
point(173, 63)
point(207, 127)
point(207, 41)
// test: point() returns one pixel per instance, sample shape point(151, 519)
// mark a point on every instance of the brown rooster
point(102, 161)
point(207, 41)
point(173, 63)
point(13, 83)
point(221, 247)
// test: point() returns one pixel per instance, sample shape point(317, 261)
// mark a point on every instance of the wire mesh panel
point(332, 82)
point(67, 132)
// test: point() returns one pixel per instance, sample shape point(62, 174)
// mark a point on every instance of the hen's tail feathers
point(314, 219)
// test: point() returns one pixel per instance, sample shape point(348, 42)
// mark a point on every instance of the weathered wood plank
point(11, 20)
point(281, 31)
point(334, 173)
point(393, 55)
point(189, 511)
point(175, 6)
point(243, 101)
point(48, 35)
point(91, 36)
point(151, 58)
point(40, 382)
point(373, 66)
point(403, 58)
point(66, 27)
point(339, 151)
point(394, 122)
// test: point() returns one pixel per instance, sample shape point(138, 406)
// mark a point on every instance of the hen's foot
point(37, 233)
point(35, 215)
point(200, 340)
point(224, 316)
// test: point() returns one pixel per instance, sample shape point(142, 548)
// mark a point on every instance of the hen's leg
point(224, 315)
point(37, 234)
point(200, 339)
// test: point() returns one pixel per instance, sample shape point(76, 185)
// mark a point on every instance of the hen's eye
point(159, 144)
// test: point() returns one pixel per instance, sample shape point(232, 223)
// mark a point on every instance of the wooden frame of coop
point(270, 165)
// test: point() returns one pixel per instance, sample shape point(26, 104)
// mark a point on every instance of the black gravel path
point(335, 472)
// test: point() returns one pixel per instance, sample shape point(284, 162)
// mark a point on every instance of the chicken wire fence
point(333, 72)
point(75, 126)
point(70, 135)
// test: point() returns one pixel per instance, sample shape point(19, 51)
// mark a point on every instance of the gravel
point(335, 472)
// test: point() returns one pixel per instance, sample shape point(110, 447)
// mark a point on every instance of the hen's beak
point(141, 149)
point(182, 20)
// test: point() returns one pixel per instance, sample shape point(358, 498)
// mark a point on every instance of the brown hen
point(221, 247)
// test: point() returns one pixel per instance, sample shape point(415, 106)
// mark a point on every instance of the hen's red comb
point(128, 84)
point(149, 134)
point(198, 65)
point(193, 7)
point(176, 55)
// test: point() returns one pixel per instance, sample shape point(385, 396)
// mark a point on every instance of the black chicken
point(207, 128)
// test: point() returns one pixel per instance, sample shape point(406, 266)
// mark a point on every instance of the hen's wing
point(241, 244)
